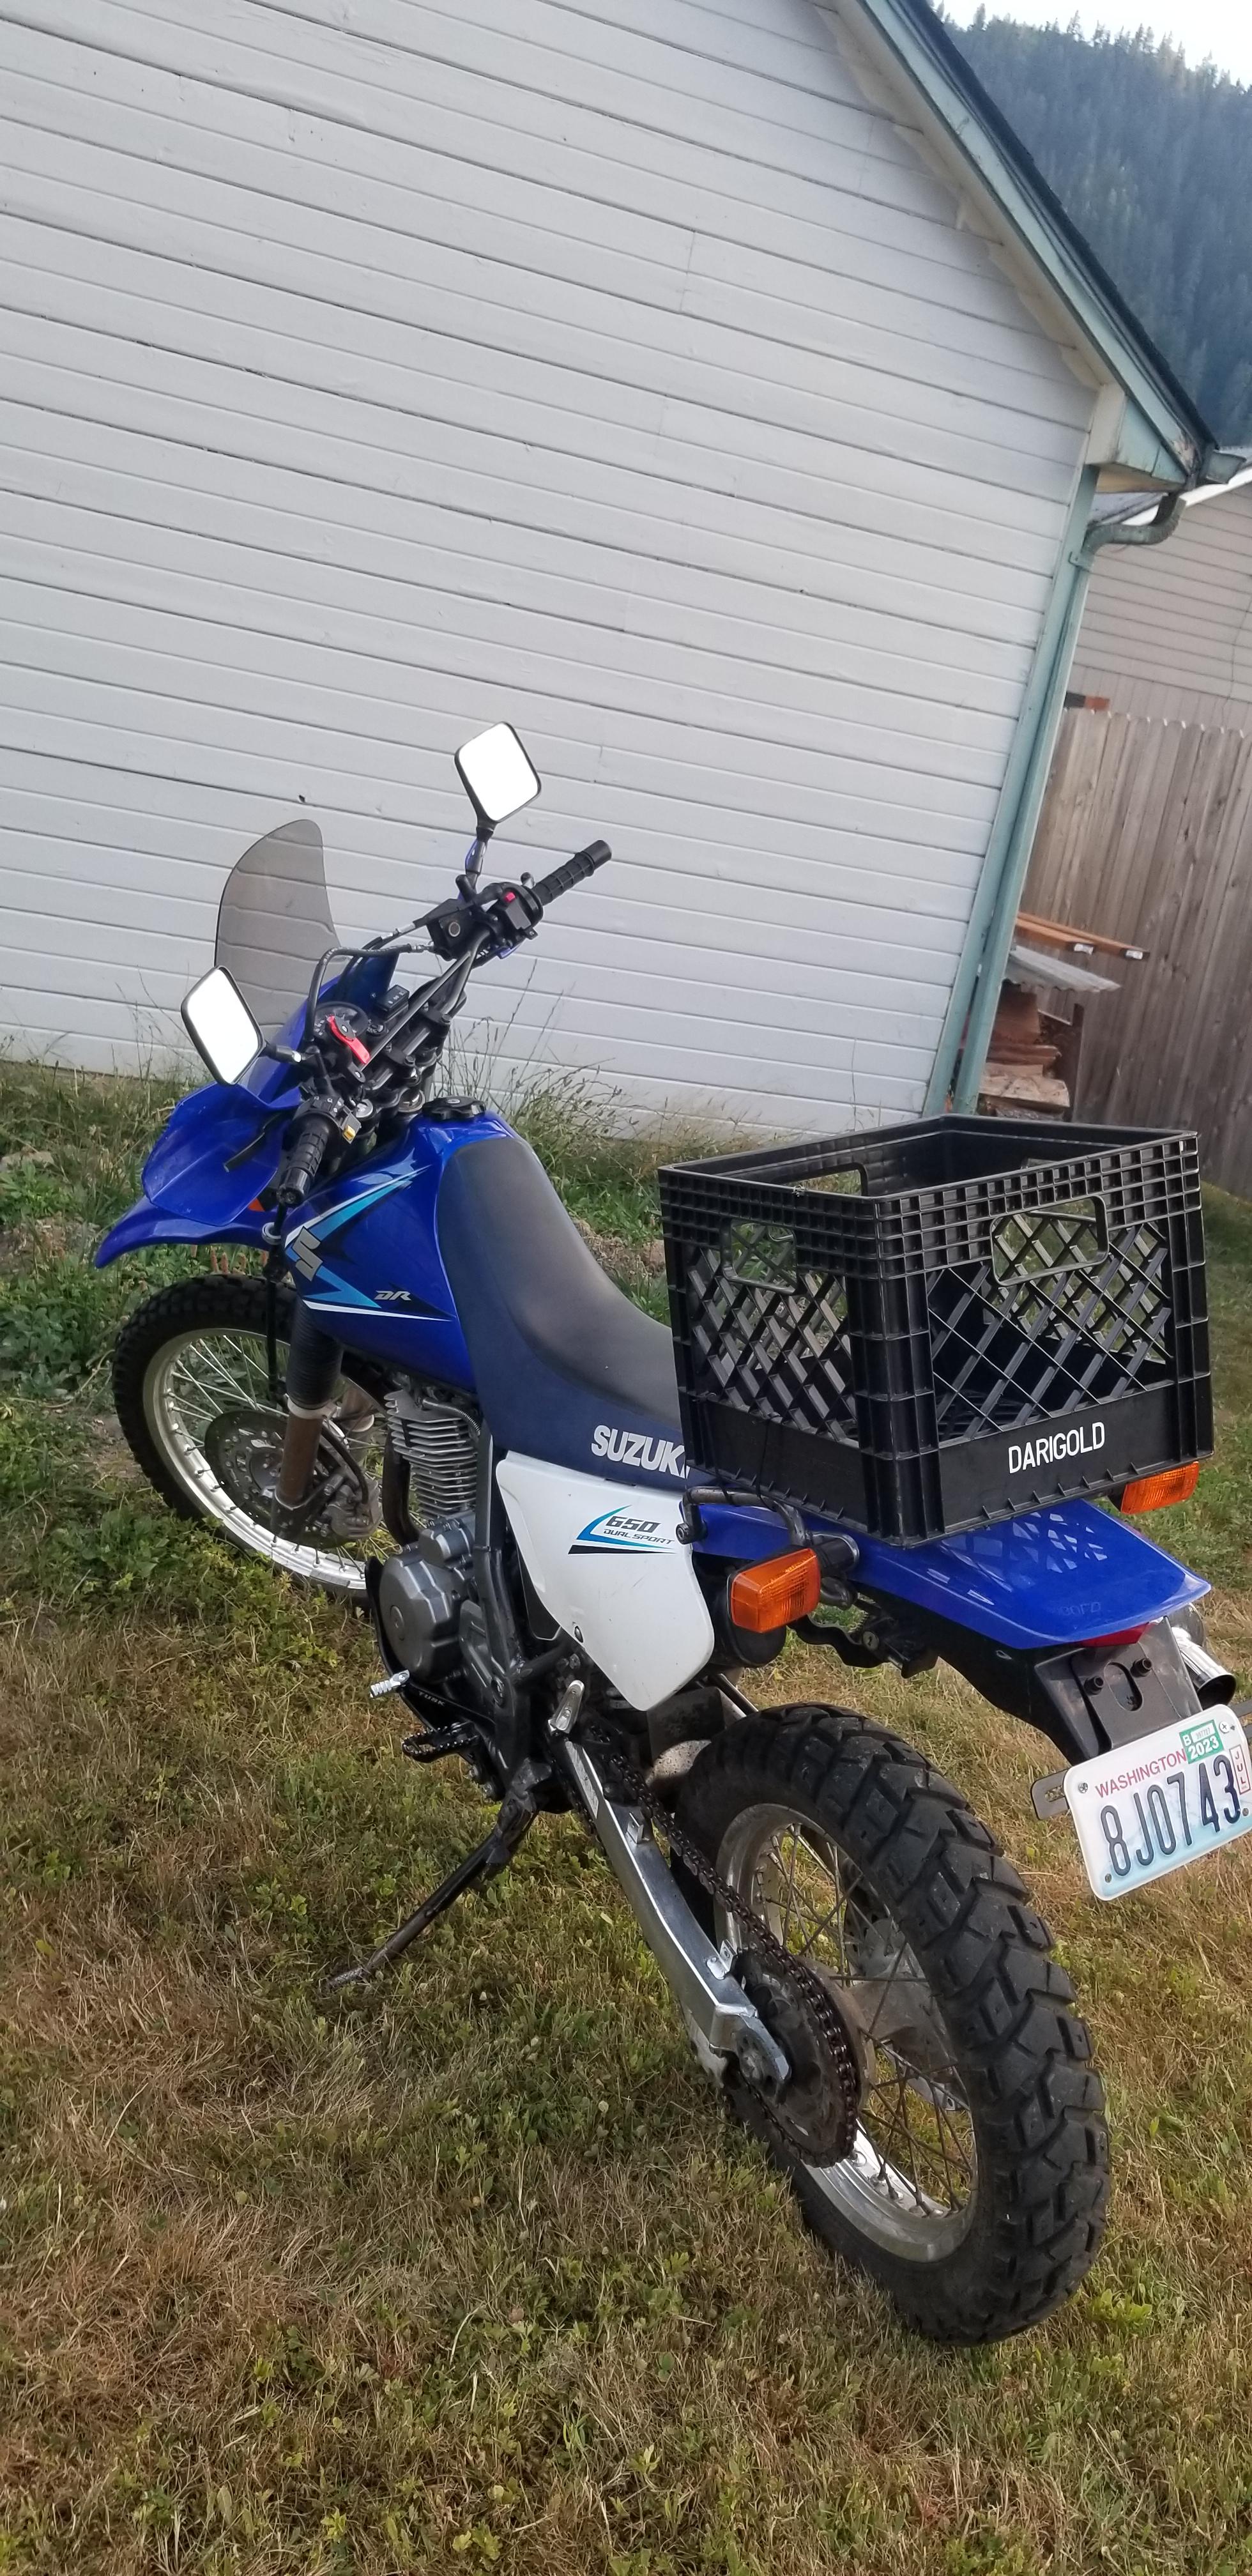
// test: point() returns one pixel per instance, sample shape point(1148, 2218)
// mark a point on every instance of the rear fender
point(1030, 1585)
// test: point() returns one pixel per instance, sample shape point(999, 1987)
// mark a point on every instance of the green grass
point(475, 2275)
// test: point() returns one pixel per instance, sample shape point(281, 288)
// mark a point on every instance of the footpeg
point(436, 1742)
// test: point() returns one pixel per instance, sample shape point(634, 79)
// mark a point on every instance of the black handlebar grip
point(583, 864)
point(304, 1161)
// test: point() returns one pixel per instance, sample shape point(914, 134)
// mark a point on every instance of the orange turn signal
point(768, 1596)
point(1152, 1493)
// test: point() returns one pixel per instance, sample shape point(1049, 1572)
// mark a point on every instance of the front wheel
point(191, 1386)
point(976, 2183)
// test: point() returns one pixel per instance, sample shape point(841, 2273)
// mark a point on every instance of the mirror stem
point(474, 863)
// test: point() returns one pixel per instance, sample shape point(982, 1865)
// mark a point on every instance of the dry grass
point(474, 2274)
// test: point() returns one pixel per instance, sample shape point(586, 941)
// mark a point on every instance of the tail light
point(769, 1596)
point(1152, 1493)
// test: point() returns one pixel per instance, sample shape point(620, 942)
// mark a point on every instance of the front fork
point(314, 1362)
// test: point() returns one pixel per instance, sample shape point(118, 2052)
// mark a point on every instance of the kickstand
point(518, 1810)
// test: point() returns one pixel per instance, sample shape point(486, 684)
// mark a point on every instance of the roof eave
point(1160, 435)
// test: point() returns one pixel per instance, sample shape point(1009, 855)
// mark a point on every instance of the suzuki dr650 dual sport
point(566, 1605)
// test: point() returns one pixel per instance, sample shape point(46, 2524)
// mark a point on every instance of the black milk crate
point(926, 1328)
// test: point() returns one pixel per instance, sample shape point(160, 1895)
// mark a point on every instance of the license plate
point(1161, 1802)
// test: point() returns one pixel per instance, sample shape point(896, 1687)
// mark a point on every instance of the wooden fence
point(1146, 833)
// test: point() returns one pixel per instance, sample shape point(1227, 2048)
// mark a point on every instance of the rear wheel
point(191, 1386)
point(976, 2183)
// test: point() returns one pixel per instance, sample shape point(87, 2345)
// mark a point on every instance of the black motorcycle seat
point(566, 1368)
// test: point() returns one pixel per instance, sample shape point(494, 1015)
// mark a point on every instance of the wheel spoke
point(902, 2148)
point(896, 2123)
point(887, 1984)
point(802, 1906)
point(838, 1917)
point(902, 2125)
point(791, 1888)
point(916, 2118)
point(236, 1384)
point(216, 1387)
point(949, 2181)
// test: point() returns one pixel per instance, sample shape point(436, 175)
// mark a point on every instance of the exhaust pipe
point(1214, 1686)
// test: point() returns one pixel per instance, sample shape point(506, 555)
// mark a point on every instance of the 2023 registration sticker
point(1158, 1804)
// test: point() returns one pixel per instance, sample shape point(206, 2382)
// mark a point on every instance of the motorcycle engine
point(420, 1592)
point(435, 1448)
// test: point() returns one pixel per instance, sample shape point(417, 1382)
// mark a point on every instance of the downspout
point(962, 1049)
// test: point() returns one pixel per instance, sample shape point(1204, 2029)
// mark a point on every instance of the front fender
point(189, 1193)
point(144, 1224)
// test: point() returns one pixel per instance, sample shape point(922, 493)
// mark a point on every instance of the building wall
point(616, 368)
point(1167, 630)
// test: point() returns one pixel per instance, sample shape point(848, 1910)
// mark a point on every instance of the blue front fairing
point(363, 1250)
point(189, 1193)
point(1045, 1580)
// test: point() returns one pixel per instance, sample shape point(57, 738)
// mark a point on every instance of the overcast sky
point(1221, 29)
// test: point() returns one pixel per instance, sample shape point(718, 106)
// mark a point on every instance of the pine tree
point(1153, 161)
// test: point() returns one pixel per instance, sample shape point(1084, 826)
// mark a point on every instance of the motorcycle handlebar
point(303, 1160)
point(422, 1019)
point(583, 864)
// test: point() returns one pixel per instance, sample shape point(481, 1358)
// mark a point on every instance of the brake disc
point(244, 1448)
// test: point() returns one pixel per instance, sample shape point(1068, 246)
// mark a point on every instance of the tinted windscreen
point(274, 921)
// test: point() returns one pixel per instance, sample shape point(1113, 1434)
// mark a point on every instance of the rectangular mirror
point(221, 1026)
point(497, 775)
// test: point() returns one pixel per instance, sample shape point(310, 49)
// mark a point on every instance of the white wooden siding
point(616, 367)
point(1167, 630)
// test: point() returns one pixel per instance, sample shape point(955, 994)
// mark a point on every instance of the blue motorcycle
point(425, 1393)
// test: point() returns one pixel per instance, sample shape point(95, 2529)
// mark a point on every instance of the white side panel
point(607, 1562)
point(370, 374)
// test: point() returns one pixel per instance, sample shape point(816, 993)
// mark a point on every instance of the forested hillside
point(1153, 160)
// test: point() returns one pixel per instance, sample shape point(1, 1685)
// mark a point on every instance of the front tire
point(193, 1355)
point(976, 2186)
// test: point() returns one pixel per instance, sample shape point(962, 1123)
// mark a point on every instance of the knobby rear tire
point(1032, 2095)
